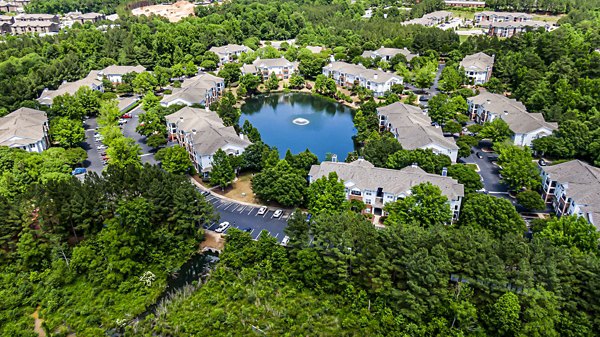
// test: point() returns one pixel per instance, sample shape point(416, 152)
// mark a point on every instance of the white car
point(277, 213)
point(100, 147)
point(285, 240)
point(222, 227)
point(262, 210)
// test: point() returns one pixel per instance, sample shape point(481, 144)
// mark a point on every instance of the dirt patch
point(240, 190)
point(212, 240)
point(38, 323)
point(173, 13)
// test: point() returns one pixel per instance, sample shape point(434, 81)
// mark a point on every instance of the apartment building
point(431, 19)
point(349, 75)
point(509, 29)
point(91, 81)
point(376, 186)
point(478, 67)
point(486, 17)
point(413, 129)
point(115, 73)
point(573, 188)
point(201, 132)
point(202, 89)
point(230, 52)
point(525, 126)
point(25, 129)
point(281, 67)
point(465, 3)
point(386, 54)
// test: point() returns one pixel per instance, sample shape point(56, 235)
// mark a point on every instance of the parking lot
point(246, 217)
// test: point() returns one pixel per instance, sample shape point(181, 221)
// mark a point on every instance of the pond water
point(298, 121)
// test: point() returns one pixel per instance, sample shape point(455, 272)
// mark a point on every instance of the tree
point(250, 82)
point(531, 200)
point(155, 141)
point(425, 76)
point(280, 183)
point(424, 158)
point(452, 127)
point(443, 108)
point(519, 170)
point(67, 132)
point(296, 81)
point(298, 230)
point(497, 215)
point(230, 72)
point(425, 206)
point(311, 66)
point(572, 232)
point(222, 173)
point(227, 110)
point(504, 315)
point(497, 131)
point(272, 83)
point(451, 79)
point(252, 157)
point(109, 113)
point(467, 176)
point(251, 132)
point(326, 194)
point(175, 160)
point(378, 149)
point(465, 143)
point(144, 82)
point(123, 152)
point(152, 122)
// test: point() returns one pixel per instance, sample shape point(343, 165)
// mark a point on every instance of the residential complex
point(25, 129)
point(115, 73)
point(349, 75)
point(91, 81)
point(485, 18)
point(465, 3)
point(229, 53)
point(386, 54)
point(202, 89)
point(508, 29)
point(377, 186)
point(431, 19)
point(478, 67)
point(76, 17)
point(573, 188)
point(281, 67)
point(201, 132)
point(35, 23)
point(412, 127)
point(526, 126)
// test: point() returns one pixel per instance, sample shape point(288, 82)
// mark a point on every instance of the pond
point(298, 121)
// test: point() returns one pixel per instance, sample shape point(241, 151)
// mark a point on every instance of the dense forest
point(93, 255)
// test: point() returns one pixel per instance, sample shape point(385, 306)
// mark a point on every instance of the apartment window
point(31, 146)
point(367, 193)
point(368, 201)
point(355, 192)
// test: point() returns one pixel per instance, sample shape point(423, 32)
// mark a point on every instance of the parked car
point(122, 121)
point(262, 210)
point(285, 240)
point(247, 229)
point(542, 162)
point(479, 155)
point(78, 170)
point(222, 227)
point(101, 147)
point(308, 217)
point(423, 98)
point(277, 213)
point(127, 115)
point(205, 193)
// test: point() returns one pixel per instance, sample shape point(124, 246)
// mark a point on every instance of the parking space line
point(252, 231)
point(264, 215)
point(276, 235)
point(221, 204)
point(243, 208)
point(228, 205)
point(251, 209)
point(258, 235)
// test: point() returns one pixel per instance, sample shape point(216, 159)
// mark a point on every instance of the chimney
point(334, 158)
point(414, 165)
point(444, 172)
point(488, 101)
point(194, 131)
point(375, 76)
point(181, 119)
point(505, 112)
point(565, 186)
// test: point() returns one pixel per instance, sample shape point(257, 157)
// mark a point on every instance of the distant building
point(229, 53)
point(465, 3)
point(509, 29)
point(7, 7)
point(201, 132)
point(487, 17)
point(349, 75)
point(386, 54)
point(526, 126)
point(478, 67)
point(202, 89)
point(281, 67)
point(26, 129)
point(37, 18)
point(115, 73)
point(431, 19)
point(76, 17)
point(376, 186)
point(34, 27)
point(91, 81)
point(573, 188)
point(412, 127)
point(315, 49)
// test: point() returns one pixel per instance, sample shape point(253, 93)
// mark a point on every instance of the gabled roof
point(70, 88)
point(582, 185)
point(22, 127)
point(276, 62)
point(508, 15)
point(206, 130)
point(363, 175)
point(513, 112)
point(121, 70)
point(358, 70)
point(412, 127)
point(229, 48)
point(477, 62)
point(390, 52)
point(194, 89)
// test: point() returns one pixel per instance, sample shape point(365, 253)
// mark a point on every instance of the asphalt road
point(129, 131)
point(243, 216)
point(94, 162)
point(488, 171)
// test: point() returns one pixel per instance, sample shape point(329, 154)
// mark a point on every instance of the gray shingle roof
point(22, 127)
point(390, 52)
point(194, 89)
point(413, 127)
point(477, 62)
point(70, 87)
point(513, 112)
point(363, 175)
point(121, 70)
point(358, 70)
point(230, 48)
point(276, 62)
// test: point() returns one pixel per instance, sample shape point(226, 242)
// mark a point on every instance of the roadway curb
point(200, 186)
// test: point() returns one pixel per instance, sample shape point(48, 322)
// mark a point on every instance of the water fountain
point(301, 121)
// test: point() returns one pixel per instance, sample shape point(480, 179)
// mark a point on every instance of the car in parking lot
point(206, 193)
point(262, 210)
point(222, 227)
point(78, 171)
point(247, 229)
point(277, 213)
point(127, 115)
point(285, 240)
point(101, 147)
point(479, 155)
point(424, 98)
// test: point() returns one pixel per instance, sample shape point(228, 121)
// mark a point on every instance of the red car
point(127, 115)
